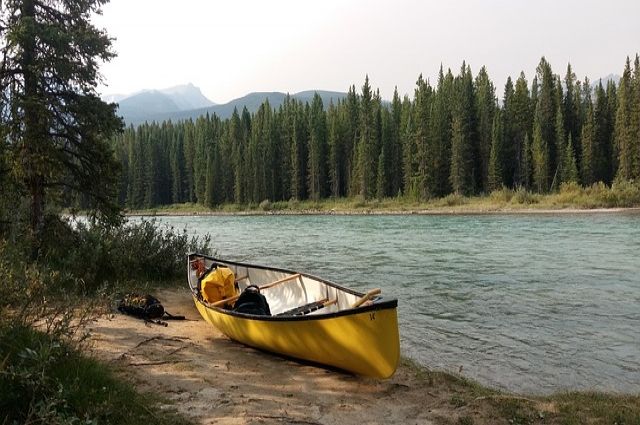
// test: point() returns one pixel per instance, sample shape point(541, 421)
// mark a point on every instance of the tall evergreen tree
point(497, 155)
point(522, 125)
point(55, 125)
point(569, 166)
point(623, 133)
point(317, 149)
point(464, 175)
point(540, 158)
point(588, 148)
point(485, 107)
point(561, 141)
point(510, 142)
point(526, 168)
point(422, 149)
point(545, 114)
point(365, 164)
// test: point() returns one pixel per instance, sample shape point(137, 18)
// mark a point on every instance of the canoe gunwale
point(380, 304)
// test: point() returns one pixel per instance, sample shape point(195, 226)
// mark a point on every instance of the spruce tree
point(510, 142)
point(497, 154)
point(317, 149)
point(569, 166)
point(540, 159)
point(526, 164)
point(545, 114)
point(561, 141)
point(635, 118)
point(464, 175)
point(588, 148)
point(365, 162)
point(54, 123)
point(522, 125)
point(422, 143)
point(623, 134)
point(485, 107)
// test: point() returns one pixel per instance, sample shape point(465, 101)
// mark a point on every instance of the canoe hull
point(364, 341)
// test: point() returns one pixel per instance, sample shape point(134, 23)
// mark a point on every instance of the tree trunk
point(33, 129)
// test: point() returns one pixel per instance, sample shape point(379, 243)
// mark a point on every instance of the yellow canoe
point(311, 319)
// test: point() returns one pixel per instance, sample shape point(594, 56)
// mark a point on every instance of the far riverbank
point(623, 198)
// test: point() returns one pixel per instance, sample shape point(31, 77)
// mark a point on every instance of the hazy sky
point(230, 48)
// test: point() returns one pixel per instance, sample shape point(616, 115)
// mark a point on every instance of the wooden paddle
point(366, 297)
point(267, 286)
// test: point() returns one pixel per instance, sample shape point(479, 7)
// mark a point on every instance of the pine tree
point(526, 164)
point(569, 166)
point(570, 111)
point(299, 148)
point(540, 159)
point(545, 114)
point(395, 145)
point(440, 129)
point(635, 118)
point(510, 143)
point(460, 161)
point(365, 163)
point(623, 134)
point(497, 154)
point(485, 99)
point(464, 175)
point(317, 150)
point(561, 145)
point(602, 130)
point(336, 152)
point(521, 126)
point(422, 144)
point(588, 148)
point(381, 183)
point(53, 121)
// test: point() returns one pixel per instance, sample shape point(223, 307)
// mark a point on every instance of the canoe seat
point(305, 309)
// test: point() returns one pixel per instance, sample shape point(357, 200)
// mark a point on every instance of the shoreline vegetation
point(570, 198)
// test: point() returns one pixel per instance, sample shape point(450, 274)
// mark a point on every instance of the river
point(525, 303)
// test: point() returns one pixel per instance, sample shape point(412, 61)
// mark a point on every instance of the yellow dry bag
point(218, 285)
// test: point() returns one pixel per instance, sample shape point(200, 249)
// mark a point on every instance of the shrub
point(454, 199)
point(265, 205)
point(88, 256)
point(44, 379)
point(523, 196)
point(502, 195)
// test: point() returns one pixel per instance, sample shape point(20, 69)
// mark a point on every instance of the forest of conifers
point(457, 136)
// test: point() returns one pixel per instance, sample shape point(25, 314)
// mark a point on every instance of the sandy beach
point(213, 380)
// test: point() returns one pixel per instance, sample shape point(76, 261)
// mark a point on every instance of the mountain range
point(187, 102)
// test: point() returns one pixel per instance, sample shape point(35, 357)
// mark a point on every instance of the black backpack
point(145, 307)
point(251, 301)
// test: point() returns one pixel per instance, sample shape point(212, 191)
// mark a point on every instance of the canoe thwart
point(267, 286)
point(308, 308)
point(366, 297)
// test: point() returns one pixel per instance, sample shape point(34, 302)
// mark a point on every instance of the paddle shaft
point(366, 297)
point(267, 286)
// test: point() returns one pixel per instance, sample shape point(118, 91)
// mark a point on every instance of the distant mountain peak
point(138, 109)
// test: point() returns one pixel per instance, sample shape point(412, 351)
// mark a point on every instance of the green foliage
point(444, 140)
point(569, 170)
point(56, 125)
point(540, 159)
point(44, 378)
point(92, 256)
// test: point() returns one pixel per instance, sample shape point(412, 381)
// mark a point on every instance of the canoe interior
point(285, 296)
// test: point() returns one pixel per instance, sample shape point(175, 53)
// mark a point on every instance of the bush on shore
point(45, 377)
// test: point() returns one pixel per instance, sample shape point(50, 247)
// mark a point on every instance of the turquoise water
point(527, 303)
